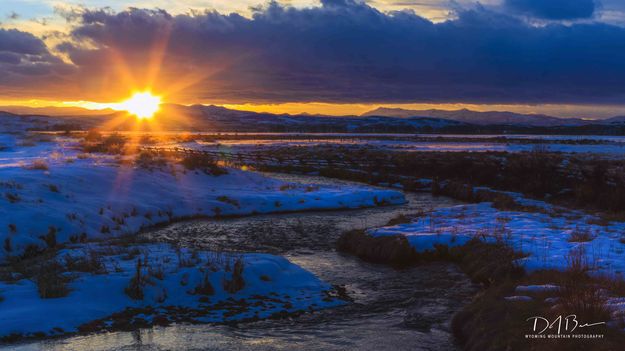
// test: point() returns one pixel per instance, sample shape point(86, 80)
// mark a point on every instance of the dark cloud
point(26, 65)
point(13, 40)
point(345, 51)
point(554, 9)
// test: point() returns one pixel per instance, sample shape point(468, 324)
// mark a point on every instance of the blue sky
point(494, 53)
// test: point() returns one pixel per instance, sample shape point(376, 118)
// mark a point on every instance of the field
point(537, 212)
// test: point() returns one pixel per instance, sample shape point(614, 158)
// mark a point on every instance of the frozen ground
point(546, 237)
point(549, 238)
point(176, 284)
point(50, 193)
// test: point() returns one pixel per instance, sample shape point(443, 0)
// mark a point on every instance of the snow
point(546, 238)
point(517, 298)
point(100, 196)
point(544, 288)
point(51, 193)
point(272, 285)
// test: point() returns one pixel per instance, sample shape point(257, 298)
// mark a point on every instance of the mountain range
point(481, 118)
point(173, 117)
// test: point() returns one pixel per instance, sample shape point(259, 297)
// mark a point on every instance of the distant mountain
point(55, 111)
point(482, 118)
point(210, 118)
point(618, 120)
point(217, 118)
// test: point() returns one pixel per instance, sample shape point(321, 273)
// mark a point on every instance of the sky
point(559, 57)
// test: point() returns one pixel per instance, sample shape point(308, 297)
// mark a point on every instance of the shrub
point(51, 283)
point(394, 250)
point(228, 200)
point(203, 162)
point(580, 235)
point(113, 144)
point(204, 287)
point(184, 260)
point(399, 219)
point(149, 160)
point(7, 245)
point(156, 271)
point(93, 135)
point(579, 292)
point(90, 263)
point(585, 300)
point(577, 262)
point(38, 164)
point(237, 282)
point(134, 289)
point(50, 237)
point(12, 197)
point(286, 187)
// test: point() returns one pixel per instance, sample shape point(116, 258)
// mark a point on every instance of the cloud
point(13, 40)
point(26, 64)
point(553, 9)
point(342, 51)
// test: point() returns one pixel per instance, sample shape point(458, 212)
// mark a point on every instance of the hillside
point(482, 118)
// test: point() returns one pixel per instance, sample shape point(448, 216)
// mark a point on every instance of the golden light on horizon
point(141, 104)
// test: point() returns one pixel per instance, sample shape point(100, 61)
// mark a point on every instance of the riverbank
point(66, 205)
point(403, 309)
point(531, 258)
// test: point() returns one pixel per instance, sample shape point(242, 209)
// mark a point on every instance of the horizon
point(344, 110)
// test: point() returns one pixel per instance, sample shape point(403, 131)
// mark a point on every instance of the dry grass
point(134, 289)
point(12, 197)
point(204, 287)
point(150, 160)
point(399, 219)
point(204, 163)
point(51, 281)
point(580, 235)
point(39, 164)
point(228, 200)
point(490, 322)
point(237, 282)
point(90, 263)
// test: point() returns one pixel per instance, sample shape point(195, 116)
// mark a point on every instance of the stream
point(392, 309)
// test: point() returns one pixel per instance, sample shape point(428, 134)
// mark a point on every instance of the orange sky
point(581, 111)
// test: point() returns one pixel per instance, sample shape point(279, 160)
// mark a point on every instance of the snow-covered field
point(176, 284)
point(546, 237)
point(51, 189)
point(51, 193)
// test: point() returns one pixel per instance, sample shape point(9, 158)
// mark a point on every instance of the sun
point(142, 104)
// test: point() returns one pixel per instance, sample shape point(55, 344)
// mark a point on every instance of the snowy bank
point(73, 198)
point(548, 240)
point(174, 285)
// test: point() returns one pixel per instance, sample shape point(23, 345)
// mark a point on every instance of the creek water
point(408, 309)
